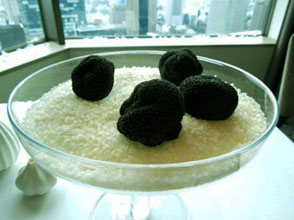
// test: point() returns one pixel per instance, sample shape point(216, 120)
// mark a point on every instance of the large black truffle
point(153, 113)
point(208, 97)
point(175, 66)
point(92, 79)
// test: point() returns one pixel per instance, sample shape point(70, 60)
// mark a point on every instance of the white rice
point(68, 123)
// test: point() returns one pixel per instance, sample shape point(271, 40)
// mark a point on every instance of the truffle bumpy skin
point(208, 97)
point(153, 113)
point(92, 79)
point(175, 66)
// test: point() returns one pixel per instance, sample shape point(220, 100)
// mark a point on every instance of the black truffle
point(153, 113)
point(175, 66)
point(92, 79)
point(208, 97)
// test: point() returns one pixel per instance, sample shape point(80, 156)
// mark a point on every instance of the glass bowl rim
point(210, 160)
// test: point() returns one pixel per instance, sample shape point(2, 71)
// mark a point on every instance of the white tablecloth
point(262, 190)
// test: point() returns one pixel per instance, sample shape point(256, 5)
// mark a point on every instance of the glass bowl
point(122, 177)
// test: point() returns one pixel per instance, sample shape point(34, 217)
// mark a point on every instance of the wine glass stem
point(140, 207)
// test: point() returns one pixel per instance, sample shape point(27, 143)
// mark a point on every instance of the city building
point(20, 22)
point(30, 12)
point(141, 16)
point(107, 30)
point(118, 14)
point(30, 18)
point(174, 13)
point(12, 36)
point(3, 17)
point(227, 16)
point(73, 14)
point(259, 16)
point(152, 16)
point(11, 13)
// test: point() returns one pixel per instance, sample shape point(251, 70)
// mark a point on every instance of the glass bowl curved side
point(132, 177)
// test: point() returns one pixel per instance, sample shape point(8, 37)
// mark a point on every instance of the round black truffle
point(92, 78)
point(153, 113)
point(208, 97)
point(175, 66)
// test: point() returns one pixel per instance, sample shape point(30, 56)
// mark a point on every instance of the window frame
point(53, 28)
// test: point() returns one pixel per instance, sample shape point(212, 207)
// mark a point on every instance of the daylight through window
point(20, 23)
point(147, 18)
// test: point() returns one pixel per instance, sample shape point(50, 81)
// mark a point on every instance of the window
point(147, 18)
point(20, 23)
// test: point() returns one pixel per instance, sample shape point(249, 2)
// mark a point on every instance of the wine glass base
point(139, 207)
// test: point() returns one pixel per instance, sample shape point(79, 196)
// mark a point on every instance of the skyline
point(90, 18)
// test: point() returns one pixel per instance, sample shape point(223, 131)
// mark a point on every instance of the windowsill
point(166, 42)
point(33, 53)
point(29, 54)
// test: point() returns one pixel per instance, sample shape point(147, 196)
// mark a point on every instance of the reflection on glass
point(20, 23)
point(146, 18)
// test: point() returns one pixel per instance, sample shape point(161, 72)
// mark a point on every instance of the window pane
point(90, 18)
point(20, 23)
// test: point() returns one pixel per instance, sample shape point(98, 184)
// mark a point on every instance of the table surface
point(263, 189)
